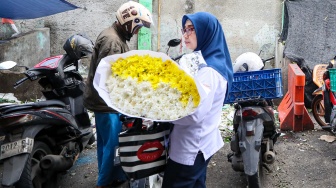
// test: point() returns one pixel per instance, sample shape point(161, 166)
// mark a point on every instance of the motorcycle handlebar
point(177, 58)
point(125, 118)
point(265, 60)
point(20, 82)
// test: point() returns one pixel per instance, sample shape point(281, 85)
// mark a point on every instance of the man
point(131, 16)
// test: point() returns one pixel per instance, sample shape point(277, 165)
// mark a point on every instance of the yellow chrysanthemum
point(166, 82)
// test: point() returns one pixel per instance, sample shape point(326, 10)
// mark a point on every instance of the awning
point(30, 9)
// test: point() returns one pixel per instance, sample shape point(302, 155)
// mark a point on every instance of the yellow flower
point(157, 72)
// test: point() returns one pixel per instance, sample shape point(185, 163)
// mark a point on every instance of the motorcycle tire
point(140, 183)
point(318, 110)
point(327, 106)
point(255, 181)
point(92, 140)
point(40, 150)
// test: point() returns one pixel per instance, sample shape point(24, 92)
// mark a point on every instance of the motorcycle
point(318, 107)
point(310, 85)
point(130, 122)
point(255, 132)
point(323, 106)
point(39, 140)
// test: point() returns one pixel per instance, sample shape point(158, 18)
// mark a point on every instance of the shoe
point(114, 184)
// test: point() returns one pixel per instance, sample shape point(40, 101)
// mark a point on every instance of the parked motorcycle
point(323, 106)
point(130, 122)
point(41, 139)
point(318, 106)
point(310, 85)
point(254, 127)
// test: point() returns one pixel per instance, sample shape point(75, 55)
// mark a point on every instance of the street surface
point(303, 160)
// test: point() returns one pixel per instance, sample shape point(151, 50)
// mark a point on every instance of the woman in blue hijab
point(211, 42)
point(196, 137)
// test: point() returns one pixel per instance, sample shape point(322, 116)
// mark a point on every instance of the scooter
point(318, 106)
point(324, 103)
point(130, 122)
point(254, 136)
point(39, 140)
point(310, 85)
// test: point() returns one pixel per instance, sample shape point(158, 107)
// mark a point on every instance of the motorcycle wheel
point(92, 140)
point(255, 181)
point(318, 110)
point(32, 175)
point(140, 183)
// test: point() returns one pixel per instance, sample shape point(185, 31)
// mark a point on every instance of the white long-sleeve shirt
point(199, 131)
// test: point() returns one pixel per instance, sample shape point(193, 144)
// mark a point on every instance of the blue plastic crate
point(264, 83)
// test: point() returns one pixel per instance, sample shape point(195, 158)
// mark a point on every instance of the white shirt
point(199, 131)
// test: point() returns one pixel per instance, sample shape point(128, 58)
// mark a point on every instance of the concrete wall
point(248, 25)
point(28, 91)
point(27, 48)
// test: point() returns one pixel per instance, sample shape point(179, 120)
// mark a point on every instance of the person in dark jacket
point(131, 16)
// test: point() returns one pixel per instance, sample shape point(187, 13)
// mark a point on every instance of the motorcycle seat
point(253, 102)
point(41, 104)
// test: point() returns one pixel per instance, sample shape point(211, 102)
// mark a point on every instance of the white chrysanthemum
point(147, 87)
point(140, 99)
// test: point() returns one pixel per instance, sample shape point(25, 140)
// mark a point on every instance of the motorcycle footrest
point(229, 157)
point(328, 127)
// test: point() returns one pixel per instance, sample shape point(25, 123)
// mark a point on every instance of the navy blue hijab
point(211, 41)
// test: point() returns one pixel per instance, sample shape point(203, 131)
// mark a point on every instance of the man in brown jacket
point(131, 16)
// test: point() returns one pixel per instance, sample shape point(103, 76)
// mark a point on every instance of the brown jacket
point(110, 41)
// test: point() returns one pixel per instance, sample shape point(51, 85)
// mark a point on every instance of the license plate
point(17, 147)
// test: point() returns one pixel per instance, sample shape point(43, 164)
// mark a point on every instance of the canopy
point(30, 9)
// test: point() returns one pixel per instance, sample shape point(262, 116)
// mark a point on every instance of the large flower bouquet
point(146, 84)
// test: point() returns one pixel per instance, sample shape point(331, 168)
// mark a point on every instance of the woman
point(196, 138)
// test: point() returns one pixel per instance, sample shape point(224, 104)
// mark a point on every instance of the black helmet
point(78, 46)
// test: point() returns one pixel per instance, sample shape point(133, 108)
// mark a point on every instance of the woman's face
point(189, 35)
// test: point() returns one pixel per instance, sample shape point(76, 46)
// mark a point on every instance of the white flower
point(147, 87)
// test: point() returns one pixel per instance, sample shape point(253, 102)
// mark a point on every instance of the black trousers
point(184, 176)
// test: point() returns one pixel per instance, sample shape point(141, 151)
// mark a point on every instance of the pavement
point(303, 159)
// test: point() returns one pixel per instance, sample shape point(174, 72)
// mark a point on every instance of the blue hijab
point(211, 41)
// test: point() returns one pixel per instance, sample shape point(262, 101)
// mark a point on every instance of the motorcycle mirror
point(174, 42)
point(7, 65)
